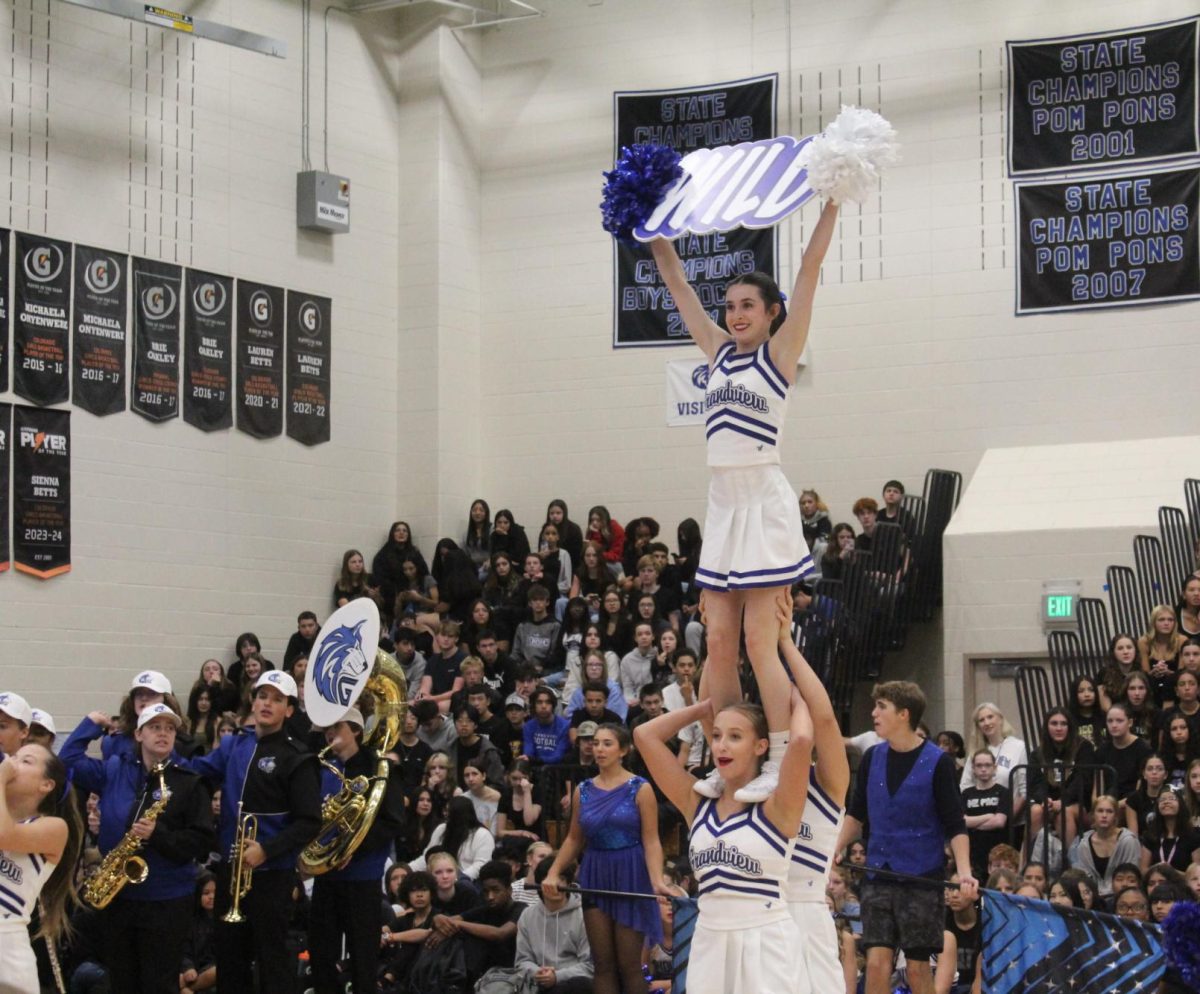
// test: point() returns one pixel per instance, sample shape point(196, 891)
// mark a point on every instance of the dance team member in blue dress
point(614, 826)
point(746, 940)
point(753, 533)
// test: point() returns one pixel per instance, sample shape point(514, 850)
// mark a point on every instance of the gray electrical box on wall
point(322, 201)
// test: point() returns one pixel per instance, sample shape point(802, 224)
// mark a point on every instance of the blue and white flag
point(1034, 947)
point(684, 924)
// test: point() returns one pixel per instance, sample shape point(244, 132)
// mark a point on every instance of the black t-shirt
point(412, 763)
point(1127, 762)
point(510, 741)
point(970, 944)
point(977, 801)
point(515, 820)
point(443, 672)
point(1175, 851)
point(579, 716)
point(465, 898)
point(483, 955)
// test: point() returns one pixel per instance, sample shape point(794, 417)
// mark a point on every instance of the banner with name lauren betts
point(260, 359)
point(208, 351)
point(155, 380)
point(1108, 241)
point(41, 484)
point(308, 349)
point(42, 329)
point(1089, 100)
point(702, 117)
point(99, 331)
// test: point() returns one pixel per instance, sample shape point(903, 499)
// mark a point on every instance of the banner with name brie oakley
point(154, 382)
point(4, 234)
point(5, 462)
point(99, 331)
point(42, 328)
point(41, 484)
point(308, 351)
point(208, 351)
point(1108, 241)
point(260, 359)
point(689, 119)
point(1091, 100)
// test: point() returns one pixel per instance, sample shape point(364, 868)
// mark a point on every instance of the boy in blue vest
point(906, 794)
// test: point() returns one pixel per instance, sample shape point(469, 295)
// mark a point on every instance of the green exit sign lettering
point(1060, 607)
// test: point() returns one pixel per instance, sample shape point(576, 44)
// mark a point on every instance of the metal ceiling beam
point(485, 13)
point(173, 20)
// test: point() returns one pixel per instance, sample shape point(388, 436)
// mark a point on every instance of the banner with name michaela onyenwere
point(1108, 241)
point(41, 483)
point(154, 383)
point(99, 331)
point(4, 235)
point(42, 329)
point(689, 119)
point(308, 350)
point(1088, 100)
point(208, 351)
point(259, 359)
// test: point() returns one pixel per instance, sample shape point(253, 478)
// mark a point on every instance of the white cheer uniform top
point(745, 405)
point(741, 866)
point(812, 853)
point(22, 876)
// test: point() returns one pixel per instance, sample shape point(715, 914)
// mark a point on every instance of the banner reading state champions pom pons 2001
point(41, 484)
point(689, 119)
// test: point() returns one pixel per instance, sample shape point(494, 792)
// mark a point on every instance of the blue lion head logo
point(340, 662)
point(700, 376)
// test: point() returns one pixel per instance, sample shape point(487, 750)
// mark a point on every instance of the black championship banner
point(154, 383)
point(1097, 99)
point(42, 328)
point(308, 351)
point(698, 117)
point(5, 462)
point(100, 327)
point(1108, 241)
point(260, 360)
point(41, 480)
point(3, 310)
point(208, 351)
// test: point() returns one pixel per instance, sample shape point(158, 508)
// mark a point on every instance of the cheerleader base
point(821, 950)
point(765, 959)
point(753, 532)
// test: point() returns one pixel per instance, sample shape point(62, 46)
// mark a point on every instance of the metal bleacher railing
point(853, 622)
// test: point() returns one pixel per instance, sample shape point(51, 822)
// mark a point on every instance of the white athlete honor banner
point(686, 382)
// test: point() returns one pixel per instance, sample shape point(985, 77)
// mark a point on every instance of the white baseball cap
point(159, 710)
point(15, 706)
point(43, 718)
point(281, 681)
point(151, 680)
point(354, 717)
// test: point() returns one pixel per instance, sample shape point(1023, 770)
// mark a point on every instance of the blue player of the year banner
point(1108, 241)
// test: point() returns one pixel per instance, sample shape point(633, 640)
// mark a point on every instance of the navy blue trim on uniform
point(11, 901)
point(736, 580)
point(36, 860)
point(757, 436)
point(758, 815)
point(808, 863)
point(725, 412)
point(770, 365)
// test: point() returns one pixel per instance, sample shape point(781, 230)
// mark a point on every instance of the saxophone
point(122, 865)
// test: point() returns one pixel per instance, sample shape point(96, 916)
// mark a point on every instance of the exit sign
point(1060, 603)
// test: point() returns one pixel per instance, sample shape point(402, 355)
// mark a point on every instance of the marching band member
point(345, 902)
point(148, 687)
point(40, 835)
point(145, 926)
point(15, 715)
point(276, 779)
point(41, 728)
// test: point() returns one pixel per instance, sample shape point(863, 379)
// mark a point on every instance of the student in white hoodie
point(552, 944)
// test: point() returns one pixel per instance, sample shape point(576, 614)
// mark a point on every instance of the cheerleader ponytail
point(58, 895)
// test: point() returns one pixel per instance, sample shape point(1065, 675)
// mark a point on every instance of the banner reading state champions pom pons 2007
point(689, 119)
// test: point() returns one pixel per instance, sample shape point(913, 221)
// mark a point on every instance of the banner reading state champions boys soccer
point(689, 119)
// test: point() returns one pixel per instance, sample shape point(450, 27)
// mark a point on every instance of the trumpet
point(240, 873)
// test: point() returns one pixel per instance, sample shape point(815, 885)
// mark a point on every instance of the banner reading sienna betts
point(5, 448)
point(308, 368)
point(41, 477)
point(155, 380)
point(260, 360)
point(697, 117)
point(208, 352)
point(100, 328)
point(42, 330)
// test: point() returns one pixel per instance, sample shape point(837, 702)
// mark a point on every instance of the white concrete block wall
point(182, 539)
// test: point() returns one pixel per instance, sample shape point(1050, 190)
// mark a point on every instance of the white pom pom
point(845, 162)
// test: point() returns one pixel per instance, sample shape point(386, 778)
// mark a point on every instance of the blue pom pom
point(635, 186)
point(1181, 940)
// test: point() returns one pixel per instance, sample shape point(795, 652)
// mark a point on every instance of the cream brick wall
point(472, 300)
